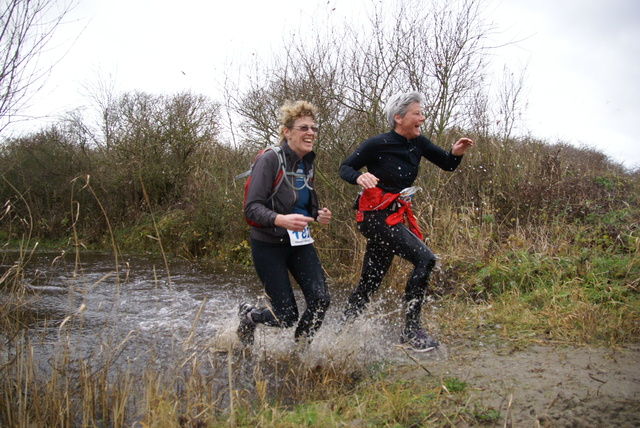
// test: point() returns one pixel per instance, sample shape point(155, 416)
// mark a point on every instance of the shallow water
point(136, 312)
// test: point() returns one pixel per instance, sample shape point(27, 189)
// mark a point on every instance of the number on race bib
point(300, 238)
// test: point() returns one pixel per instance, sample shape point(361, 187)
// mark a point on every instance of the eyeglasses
point(306, 128)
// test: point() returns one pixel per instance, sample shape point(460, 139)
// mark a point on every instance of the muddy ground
point(545, 385)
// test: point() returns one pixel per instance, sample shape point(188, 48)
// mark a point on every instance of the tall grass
point(574, 283)
point(536, 243)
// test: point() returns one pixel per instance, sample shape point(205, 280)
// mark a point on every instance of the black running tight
point(273, 263)
point(383, 243)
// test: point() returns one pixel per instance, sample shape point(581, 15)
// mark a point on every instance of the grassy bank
point(537, 244)
point(569, 284)
point(539, 256)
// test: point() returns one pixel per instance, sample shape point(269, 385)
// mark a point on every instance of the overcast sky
point(582, 56)
point(583, 70)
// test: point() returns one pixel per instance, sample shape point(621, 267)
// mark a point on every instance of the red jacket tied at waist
point(376, 199)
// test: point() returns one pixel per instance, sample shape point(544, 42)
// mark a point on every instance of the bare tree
point(444, 56)
point(510, 102)
point(26, 27)
point(436, 47)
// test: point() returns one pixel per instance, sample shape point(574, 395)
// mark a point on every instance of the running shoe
point(247, 326)
point(418, 340)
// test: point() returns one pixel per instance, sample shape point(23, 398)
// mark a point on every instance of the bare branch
point(26, 27)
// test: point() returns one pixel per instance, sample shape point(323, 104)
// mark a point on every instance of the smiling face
point(300, 141)
point(409, 125)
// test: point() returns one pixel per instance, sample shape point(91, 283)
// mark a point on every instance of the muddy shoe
point(247, 326)
point(418, 340)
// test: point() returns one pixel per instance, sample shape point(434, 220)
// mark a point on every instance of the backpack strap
point(282, 170)
point(306, 178)
point(278, 151)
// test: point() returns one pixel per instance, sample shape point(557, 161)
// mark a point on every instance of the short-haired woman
point(384, 206)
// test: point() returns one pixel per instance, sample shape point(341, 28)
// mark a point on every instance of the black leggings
point(383, 243)
point(273, 262)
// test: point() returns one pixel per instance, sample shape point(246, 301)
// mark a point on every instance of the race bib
point(300, 238)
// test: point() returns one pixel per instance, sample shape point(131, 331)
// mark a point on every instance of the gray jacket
point(262, 210)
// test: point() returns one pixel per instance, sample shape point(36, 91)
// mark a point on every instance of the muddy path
point(548, 386)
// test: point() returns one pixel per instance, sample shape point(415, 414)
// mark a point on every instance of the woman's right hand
point(324, 216)
point(295, 222)
point(367, 180)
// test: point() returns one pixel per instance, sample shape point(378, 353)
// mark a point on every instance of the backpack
point(277, 181)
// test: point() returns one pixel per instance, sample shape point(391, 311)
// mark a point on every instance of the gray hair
point(399, 104)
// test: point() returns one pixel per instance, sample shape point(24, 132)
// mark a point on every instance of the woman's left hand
point(324, 216)
point(461, 146)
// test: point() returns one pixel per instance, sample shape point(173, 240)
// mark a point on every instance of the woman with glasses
point(384, 207)
point(281, 242)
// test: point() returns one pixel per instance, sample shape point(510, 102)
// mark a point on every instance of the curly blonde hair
point(292, 110)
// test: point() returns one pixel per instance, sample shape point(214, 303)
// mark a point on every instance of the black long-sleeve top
point(394, 160)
